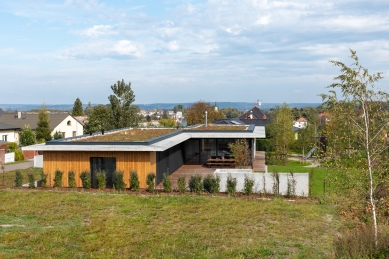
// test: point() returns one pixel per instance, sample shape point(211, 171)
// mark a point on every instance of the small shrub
point(195, 184)
point(208, 183)
point(181, 184)
point(231, 185)
point(276, 183)
point(18, 179)
point(311, 179)
point(19, 155)
point(12, 146)
point(291, 186)
point(31, 181)
point(58, 178)
point(248, 185)
point(216, 185)
point(150, 181)
point(134, 181)
point(101, 180)
point(72, 179)
point(85, 179)
point(167, 185)
point(264, 185)
point(43, 179)
point(118, 182)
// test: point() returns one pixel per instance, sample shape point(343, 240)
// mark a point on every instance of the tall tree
point(195, 114)
point(43, 131)
point(364, 125)
point(281, 129)
point(77, 108)
point(27, 136)
point(123, 112)
point(98, 119)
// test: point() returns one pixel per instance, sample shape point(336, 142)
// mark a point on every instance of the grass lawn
point(319, 174)
point(9, 177)
point(53, 224)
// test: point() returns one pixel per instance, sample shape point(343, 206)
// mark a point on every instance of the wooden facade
point(76, 161)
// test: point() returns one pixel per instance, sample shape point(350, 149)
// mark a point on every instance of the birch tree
point(362, 119)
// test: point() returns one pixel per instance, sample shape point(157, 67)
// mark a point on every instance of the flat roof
point(158, 144)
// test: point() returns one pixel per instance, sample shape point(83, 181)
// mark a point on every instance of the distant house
point(9, 133)
point(63, 123)
point(300, 123)
point(253, 116)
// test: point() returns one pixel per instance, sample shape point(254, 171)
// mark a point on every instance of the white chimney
point(19, 115)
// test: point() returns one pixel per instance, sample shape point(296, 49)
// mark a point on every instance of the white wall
point(264, 181)
point(68, 130)
point(12, 136)
point(9, 157)
point(38, 161)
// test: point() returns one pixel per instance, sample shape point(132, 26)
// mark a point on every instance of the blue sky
point(185, 51)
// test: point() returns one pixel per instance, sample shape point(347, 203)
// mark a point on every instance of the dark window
point(106, 164)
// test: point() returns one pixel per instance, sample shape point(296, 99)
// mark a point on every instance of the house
point(9, 133)
point(253, 116)
point(63, 123)
point(300, 123)
point(116, 150)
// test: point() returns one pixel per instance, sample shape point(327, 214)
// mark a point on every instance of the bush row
point(210, 184)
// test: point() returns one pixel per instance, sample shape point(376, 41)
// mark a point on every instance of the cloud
point(97, 31)
point(103, 49)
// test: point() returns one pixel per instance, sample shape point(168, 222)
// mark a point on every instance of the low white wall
point(9, 157)
point(38, 161)
point(264, 181)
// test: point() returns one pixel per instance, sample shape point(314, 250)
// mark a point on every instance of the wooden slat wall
point(142, 162)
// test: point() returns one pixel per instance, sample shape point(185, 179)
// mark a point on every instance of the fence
point(38, 161)
point(9, 157)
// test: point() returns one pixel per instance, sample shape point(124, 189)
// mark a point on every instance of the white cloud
point(103, 49)
point(97, 31)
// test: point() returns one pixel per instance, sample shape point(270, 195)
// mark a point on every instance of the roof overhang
point(162, 145)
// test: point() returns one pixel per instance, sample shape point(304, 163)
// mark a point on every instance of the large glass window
point(106, 164)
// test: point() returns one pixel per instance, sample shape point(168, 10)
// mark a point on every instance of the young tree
point(98, 119)
point(365, 122)
point(43, 131)
point(77, 108)
point(123, 113)
point(281, 129)
point(195, 114)
point(27, 136)
point(241, 152)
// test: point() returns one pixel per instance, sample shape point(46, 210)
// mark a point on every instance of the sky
point(176, 51)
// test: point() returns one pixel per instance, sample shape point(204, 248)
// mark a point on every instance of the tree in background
point(231, 112)
point(98, 119)
point(27, 136)
point(57, 135)
point(362, 118)
point(77, 108)
point(165, 114)
point(43, 131)
point(195, 114)
point(88, 109)
point(123, 113)
point(169, 122)
point(178, 107)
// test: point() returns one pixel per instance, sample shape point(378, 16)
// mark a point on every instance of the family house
point(9, 133)
point(253, 116)
point(300, 123)
point(63, 123)
point(143, 150)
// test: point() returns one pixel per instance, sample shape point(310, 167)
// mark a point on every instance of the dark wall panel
point(169, 161)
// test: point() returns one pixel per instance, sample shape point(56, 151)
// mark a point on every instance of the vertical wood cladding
point(65, 161)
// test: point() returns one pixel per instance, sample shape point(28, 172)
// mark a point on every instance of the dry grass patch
point(217, 127)
point(130, 135)
point(101, 225)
